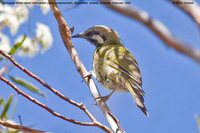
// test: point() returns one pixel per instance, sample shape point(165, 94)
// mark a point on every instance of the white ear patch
point(98, 38)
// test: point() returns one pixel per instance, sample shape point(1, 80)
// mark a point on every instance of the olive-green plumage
point(114, 66)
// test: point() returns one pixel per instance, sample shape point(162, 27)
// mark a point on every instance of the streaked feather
point(122, 62)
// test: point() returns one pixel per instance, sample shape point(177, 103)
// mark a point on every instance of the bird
point(114, 66)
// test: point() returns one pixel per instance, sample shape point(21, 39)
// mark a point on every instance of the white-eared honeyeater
point(114, 66)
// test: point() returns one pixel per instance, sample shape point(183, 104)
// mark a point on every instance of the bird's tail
point(137, 94)
point(141, 106)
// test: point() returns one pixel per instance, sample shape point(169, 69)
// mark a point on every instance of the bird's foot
point(88, 75)
point(105, 98)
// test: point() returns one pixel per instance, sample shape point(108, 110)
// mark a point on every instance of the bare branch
point(66, 37)
point(43, 105)
point(193, 10)
point(79, 105)
point(25, 70)
point(156, 27)
point(19, 127)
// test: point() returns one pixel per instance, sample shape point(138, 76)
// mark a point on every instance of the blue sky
point(170, 79)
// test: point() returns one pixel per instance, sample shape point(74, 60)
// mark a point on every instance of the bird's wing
point(124, 62)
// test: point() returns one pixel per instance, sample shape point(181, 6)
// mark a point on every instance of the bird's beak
point(78, 36)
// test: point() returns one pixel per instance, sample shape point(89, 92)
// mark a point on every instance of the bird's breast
point(105, 74)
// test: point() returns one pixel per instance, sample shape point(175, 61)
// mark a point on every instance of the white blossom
point(44, 36)
point(28, 48)
point(13, 16)
point(22, 13)
point(12, 23)
point(44, 7)
point(4, 43)
point(6, 8)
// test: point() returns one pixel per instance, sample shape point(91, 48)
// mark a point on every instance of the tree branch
point(66, 37)
point(79, 105)
point(43, 105)
point(193, 10)
point(19, 127)
point(32, 75)
point(156, 27)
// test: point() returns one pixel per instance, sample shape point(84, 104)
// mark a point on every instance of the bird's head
point(99, 35)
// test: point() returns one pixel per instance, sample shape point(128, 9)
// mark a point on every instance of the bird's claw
point(103, 98)
point(88, 75)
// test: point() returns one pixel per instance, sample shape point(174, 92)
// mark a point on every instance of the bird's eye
point(89, 34)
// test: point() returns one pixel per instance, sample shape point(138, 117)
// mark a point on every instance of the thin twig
point(156, 27)
point(43, 105)
point(25, 70)
point(79, 105)
point(192, 9)
point(66, 37)
point(20, 127)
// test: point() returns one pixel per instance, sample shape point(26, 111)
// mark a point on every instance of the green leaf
point(17, 46)
point(14, 131)
point(6, 107)
point(27, 85)
point(1, 101)
point(198, 121)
